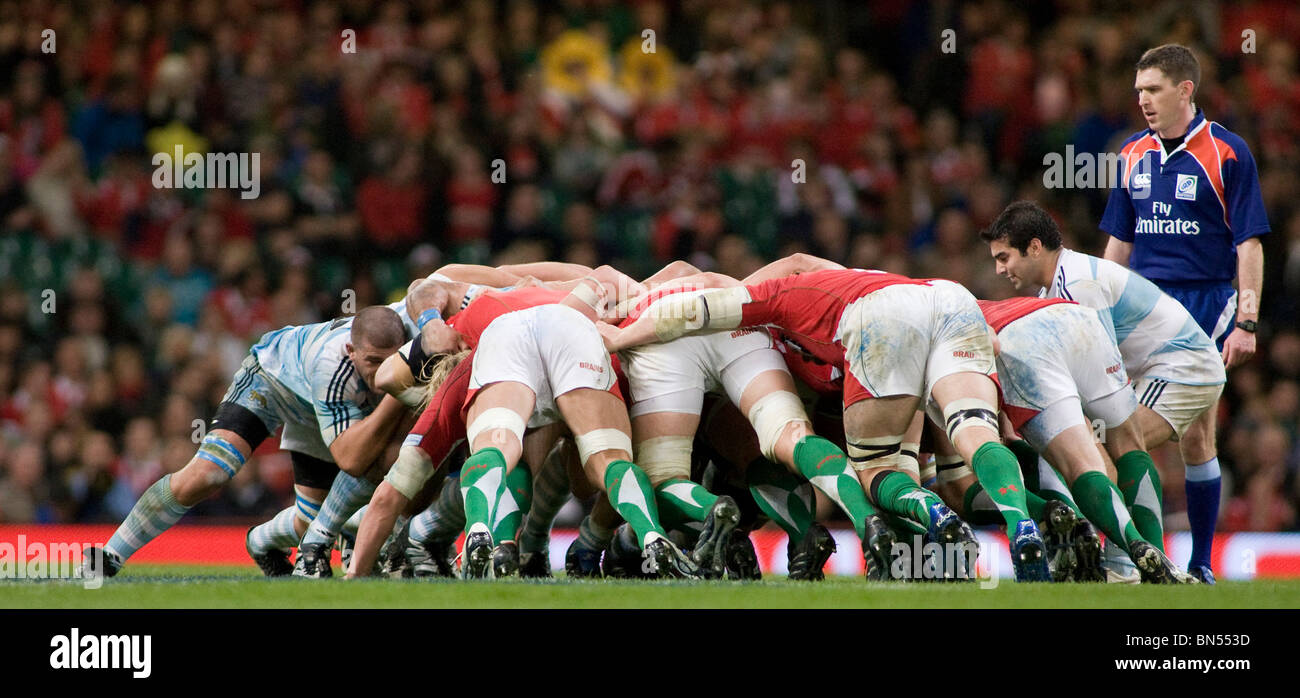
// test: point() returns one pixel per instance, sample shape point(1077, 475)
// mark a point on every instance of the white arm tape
point(412, 397)
point(770, 415)
point(665, 458)
point(411, 470)
point(678, 314)
point(496, 418)
point(599, 440)
point(587, 294)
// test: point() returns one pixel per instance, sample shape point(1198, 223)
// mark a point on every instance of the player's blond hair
point(437, 374)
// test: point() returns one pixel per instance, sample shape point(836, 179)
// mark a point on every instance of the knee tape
point(496, 418)
point(411, 470)
point(909, 455)
point(306, 507)
point(665, 458)
point(770, 415)
point(969, 412)
point(217, 450)
point(599, 440)
point(881, 452)
point(951, 469)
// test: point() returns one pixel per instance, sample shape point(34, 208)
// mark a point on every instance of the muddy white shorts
point(902, 339)
point(674, 376)
point(1058, 368)
point(552, 349)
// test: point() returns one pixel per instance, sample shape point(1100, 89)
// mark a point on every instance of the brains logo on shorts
point(591, 367)
point(963, 354)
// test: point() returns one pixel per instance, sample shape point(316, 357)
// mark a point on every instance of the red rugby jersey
point(473, 320)
point(999, 314)
point(807, 307)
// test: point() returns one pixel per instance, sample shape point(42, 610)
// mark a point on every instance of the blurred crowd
point(723, 132)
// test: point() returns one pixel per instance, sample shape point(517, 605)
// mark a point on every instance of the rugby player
point(1178, 373)
point(457, 285)
point(1188, 215)
point(1059, 368)
point(901, 343)
point(561, 384)
point(315, 380)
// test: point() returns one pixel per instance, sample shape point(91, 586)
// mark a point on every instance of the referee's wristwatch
point(1248, 325)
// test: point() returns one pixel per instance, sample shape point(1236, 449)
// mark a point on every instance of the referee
point(1188, 216)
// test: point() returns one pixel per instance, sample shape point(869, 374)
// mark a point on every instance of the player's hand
point(527, 282)
point(1238, 348)
point(611, 335)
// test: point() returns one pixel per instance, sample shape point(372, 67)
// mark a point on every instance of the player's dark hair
point(1176, 61)
point(378, 326)
point(1020, 223)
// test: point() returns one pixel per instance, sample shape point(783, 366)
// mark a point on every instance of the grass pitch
point(219, 587)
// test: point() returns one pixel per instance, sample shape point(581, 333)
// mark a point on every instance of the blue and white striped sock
point(354, 522)
point(445, 517)
point(155, 512)
point(279, 532)
point(347, 494)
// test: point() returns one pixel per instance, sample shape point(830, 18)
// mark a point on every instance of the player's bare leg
point(602, 431)
point(221, 454)
point(968, 402)
point(495, 430)
point(785, 435)
point(1073, 453)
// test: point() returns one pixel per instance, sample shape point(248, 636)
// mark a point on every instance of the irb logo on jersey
point(1186, 188)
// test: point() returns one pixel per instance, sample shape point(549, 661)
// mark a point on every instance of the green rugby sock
point(827, 468)
point(1139, 481)
point(784, 498)
point(895, 493)
point(978, 508)
point(630, 492)
point(681, 501)
point(999, 472)
point(1103, 505)
point(481, 479)
point(513, 502)
point(1043, 483)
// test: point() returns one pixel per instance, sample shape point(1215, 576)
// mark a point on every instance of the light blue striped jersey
point(310, 364)
point(1156, 335)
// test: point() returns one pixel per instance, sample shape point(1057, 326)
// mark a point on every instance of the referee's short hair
point(1020, 223)
point(1176, 61)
